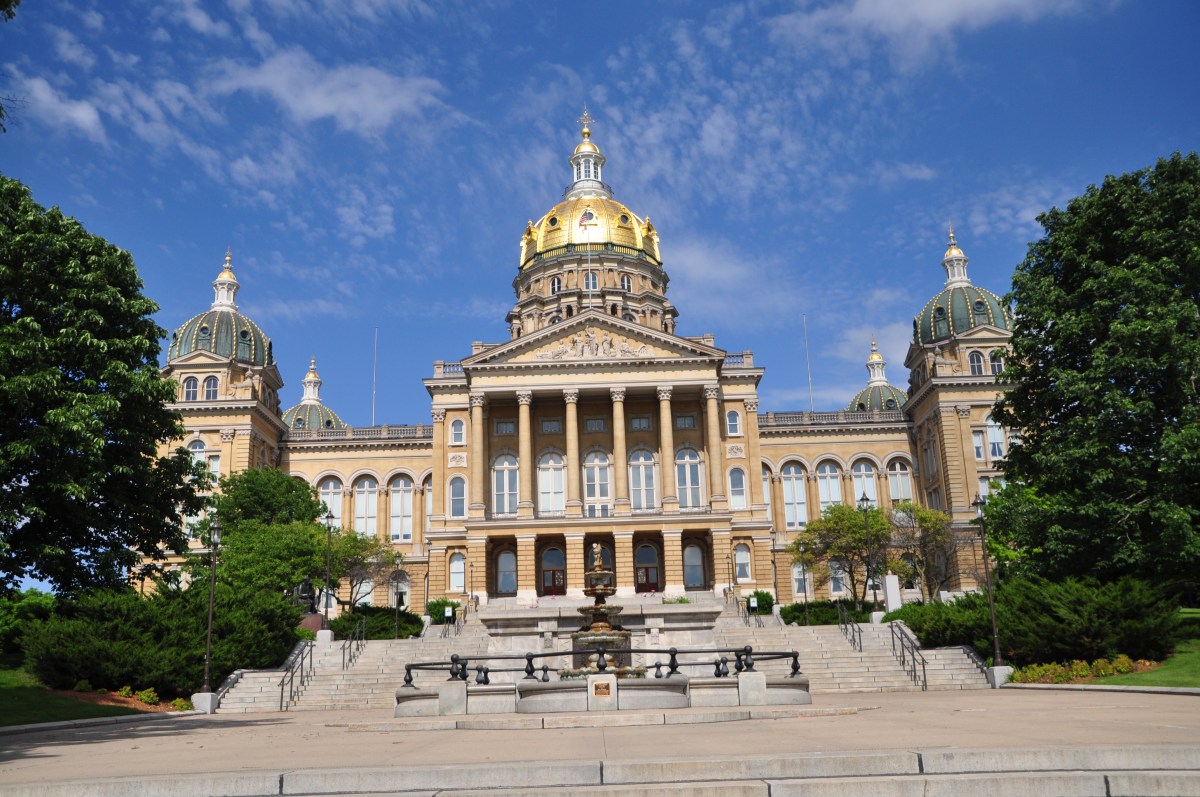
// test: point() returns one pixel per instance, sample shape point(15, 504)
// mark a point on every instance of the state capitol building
point(596, 423)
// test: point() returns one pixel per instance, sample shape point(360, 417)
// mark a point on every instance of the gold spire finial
point(951, 228)
point(228, 255)
point(227, 271)
point(875, 355)
point(952, 249)
point(312, 368)
point(586, 120)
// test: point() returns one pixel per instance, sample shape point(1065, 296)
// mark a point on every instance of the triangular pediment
point(198, 358)
point(593, 337)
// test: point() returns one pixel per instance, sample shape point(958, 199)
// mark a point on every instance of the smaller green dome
point(312, 416)
point(873, 398)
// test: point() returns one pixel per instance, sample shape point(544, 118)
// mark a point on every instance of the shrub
point(148, 696)
point(1123, 664)
point(306, 633)
point(437, 610)
point(83, 685)
point(678, 599)
point(181, 704)
point(822, 613)
point(764, 599)
point(1102, 667)
point(125, 691)
point(18, 611)
point(381, 623)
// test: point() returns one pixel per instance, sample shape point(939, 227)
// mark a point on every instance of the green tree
point(267, 496)
point(841, 537)
point(1104, 376)
point(84, 492)
point(922, 546)
point(362, 562)
point(8, 10)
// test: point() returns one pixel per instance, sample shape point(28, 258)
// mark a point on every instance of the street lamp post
point(864, 505)
point(214, 539)
point(328, 561)
point(997, 658)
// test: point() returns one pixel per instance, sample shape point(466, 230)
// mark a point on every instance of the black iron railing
point(850, 628)
point(744, 659)
point(298, 674)
point(907, 651)
point(354, 644)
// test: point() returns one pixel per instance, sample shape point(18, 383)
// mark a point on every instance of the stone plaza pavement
point(1007, 741)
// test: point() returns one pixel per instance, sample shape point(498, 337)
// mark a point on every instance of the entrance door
point(645, 561)
point(693, 567)
point(554, 572)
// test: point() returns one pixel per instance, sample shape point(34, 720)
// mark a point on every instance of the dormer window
point(626, 283)
point(555, 285)
point(298, 423)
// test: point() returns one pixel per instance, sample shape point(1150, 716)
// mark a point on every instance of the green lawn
point(1180, 669)
point(23, 701)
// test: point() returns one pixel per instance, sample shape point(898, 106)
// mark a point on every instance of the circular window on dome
point(624, 219)
point(940, 311)
point(980, 307)
point(204, 330)
point(328, 423)
point(891, 404)
point(244, 334)
point(554, 221)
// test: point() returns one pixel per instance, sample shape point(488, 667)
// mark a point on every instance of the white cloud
point(189, 13)
point(45, 103)
point(360, 218)
point(360, 99)
point(70, 49)
point(123, 60)
point(889, 174)
point(1012, 210)
point(156, 114)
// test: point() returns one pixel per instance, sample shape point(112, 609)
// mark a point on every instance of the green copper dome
point(960, 306)
point(876, 398)
point(312, 416)
point(221, 329)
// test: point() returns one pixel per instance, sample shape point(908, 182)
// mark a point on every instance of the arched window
point(191, 389)
point(976, 361)
point(400, 521)
point(737, 489)
point(366, 503)
point(550, 484)
point(504, 485)
point(458, 497)
point(645, 569)
point(741, 562)
point(506, 573)
point(687, 478)
point(864, 482)
point(458, 434)
point(626, 283)
point(331, 496)
point(641, 481)
point(899, 480)
point(210, 388)
point(837, 578)
point(997, 361)
point(733, 424)
point(400, 589)
point(363, 592)
point(795, 497)
point(554, 572)
point(799, 582)
point(995, 434)
point(596, 488)
point(427, 491)
point(766, 490)
point(458, 573)
point(555, 285)
point(693, 567)
point(590, 281)
point(829, 486)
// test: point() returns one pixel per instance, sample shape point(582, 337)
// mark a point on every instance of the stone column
point(721, 550)
point(716, 462)
point(672, 562)
point(477, 570)
point(437, 482)
point(620, 458)
point(623, 561)
point(526, 568)
point(666, 450)
point(753, 454)
point(437, 572)
point(576, 562)
point(778, 510)
point(574, 504)
point(477, 458)
point(524, 454)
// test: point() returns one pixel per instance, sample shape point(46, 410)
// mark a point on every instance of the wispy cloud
point(189, 13)
point(70, 49)
point(359, 99)
point(48, 105)
point(360, 217)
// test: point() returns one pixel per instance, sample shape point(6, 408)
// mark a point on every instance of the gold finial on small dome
point(312, 369)
point(875, 355)
point(586, 120)
point(952, 249)
point(227, 271)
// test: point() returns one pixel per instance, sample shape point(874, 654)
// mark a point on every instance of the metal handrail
point(744, 659)
point(354, 644)
point(906, 649)
point(850, 628)
point(298, 674)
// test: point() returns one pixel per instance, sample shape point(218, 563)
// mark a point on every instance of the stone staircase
point(833, 665)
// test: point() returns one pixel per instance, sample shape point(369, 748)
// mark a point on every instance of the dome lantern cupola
point(878, 394)
point(955, 263)
point(586, 165)
point(960, 306)
point(311, 413)
point(222, 329)
point(225, 286)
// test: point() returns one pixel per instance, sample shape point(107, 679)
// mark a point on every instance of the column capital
point(751, 405)
point(664, 392)
point(617, 393)
point(439, 415)
point(524, 396)
point(478, 399)
point(571, 395)
point(712, 391)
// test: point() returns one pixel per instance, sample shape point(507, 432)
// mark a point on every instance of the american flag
point(586, 217)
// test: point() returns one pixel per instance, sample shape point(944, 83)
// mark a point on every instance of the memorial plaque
point(602, 689)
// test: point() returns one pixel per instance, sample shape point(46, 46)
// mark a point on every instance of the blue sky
point(372, 163)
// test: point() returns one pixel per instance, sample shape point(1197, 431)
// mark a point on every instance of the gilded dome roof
point(958, 309)
point(877, 398)
point(597, 222)
point(312, 416)
point(221, 329)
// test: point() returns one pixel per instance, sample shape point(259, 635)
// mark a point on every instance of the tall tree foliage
point(924, 546)
point(83, 492)
point(843, 538)
point(1104, 378)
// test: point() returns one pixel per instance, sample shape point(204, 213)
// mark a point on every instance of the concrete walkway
point(260, 749)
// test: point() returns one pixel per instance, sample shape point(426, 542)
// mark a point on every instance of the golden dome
point(874, 356)
point(952, 249)
point(598, 221)
point(227, 272)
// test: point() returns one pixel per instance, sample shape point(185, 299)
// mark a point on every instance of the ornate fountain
point(600, 631)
